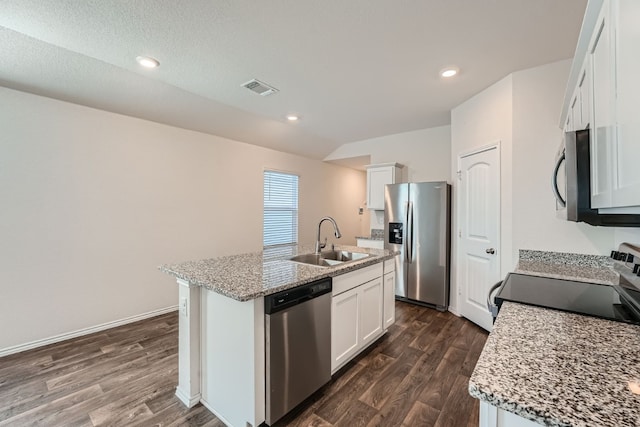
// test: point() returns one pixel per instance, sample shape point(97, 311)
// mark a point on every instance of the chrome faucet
point(336, 232)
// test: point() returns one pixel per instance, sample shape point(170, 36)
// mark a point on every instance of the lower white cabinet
point(345, 327)
point(491, 416)
point(356, 313)
point(389, 297)
point(371, 311)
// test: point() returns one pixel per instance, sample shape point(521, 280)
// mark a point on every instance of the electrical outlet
point(360, 210)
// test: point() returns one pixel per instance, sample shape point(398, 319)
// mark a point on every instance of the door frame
point(494, 145)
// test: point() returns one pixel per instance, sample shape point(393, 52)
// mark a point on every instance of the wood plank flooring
point(416, 375)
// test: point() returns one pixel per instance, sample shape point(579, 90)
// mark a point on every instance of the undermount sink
point(329, 258)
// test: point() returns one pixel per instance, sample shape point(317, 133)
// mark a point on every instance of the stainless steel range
point(619, 302)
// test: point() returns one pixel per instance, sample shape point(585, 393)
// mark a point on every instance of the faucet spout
point(319, 244)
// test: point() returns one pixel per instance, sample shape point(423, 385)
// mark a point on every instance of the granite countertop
point(248, 276)
point(560, 369)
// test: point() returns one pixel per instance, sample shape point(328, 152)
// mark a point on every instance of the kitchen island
point(549, 367)
point(222, 324)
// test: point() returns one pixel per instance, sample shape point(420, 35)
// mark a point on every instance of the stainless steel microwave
point(572, 185)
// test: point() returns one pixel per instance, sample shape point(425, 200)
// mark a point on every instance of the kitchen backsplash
point(377, 234)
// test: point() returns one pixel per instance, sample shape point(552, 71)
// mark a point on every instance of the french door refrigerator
point(418, 225)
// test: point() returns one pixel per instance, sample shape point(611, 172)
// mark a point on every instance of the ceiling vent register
point(260, 88)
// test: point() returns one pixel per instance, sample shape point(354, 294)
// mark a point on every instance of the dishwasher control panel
point(281, 300)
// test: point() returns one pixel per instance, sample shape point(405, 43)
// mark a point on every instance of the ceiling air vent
point(259, 87)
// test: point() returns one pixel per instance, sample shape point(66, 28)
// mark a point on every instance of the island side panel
point(233, 360)
point(188, 390)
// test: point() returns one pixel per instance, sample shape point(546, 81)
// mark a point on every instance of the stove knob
point(614, 254)
point(621, 256)
point(636, 269)
point(630, 257)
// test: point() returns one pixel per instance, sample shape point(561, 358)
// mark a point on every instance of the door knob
point(490, 251)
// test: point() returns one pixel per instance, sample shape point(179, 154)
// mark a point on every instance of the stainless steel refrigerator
point(417, 222)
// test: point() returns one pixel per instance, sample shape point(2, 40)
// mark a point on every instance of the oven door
point(559, 182)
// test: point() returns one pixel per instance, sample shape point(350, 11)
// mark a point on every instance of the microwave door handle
point(554, 185)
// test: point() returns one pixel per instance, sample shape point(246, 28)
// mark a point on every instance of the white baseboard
point(188, 401)
point(85, 331)
point(454, 311)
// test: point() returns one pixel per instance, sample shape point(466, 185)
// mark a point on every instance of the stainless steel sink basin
point(329, 258)
point(344, 256)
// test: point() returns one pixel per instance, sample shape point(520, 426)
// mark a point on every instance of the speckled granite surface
point(560, 369)
point(249, 276)
point(561, 265)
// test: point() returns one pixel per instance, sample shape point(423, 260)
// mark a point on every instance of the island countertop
point(560, 369)
point(248, 276)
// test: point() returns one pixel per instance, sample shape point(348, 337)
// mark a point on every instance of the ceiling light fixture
point(148, 62)
point(292, 117)
point(449, 72)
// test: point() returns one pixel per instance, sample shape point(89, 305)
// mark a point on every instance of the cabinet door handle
point(490, 251)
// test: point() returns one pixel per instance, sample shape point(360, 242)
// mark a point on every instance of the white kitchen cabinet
point(371, 311)
point(356, 313)
point(389, 293)
point(602, 95)
point(491, 416)
point(377, 177)
point(345, 327)
point(389, 299)
point(579, 116)
point(626, 143)
point(602, 134)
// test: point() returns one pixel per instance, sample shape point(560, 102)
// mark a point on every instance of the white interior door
point(478, 232)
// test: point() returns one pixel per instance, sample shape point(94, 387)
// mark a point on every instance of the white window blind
point(280, 225)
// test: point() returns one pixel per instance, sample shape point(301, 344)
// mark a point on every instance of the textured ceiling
point(352, 69)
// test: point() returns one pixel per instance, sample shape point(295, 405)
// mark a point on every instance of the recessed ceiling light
point(292, 117)
point(449, 72)
point(148, 62)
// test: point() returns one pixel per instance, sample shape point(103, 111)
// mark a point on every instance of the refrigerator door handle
point(409, 237)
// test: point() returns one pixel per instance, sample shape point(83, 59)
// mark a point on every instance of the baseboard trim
point(86, 331)
point(188, 401)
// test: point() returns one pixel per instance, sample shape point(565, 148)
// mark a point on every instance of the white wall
point(485, 119)
point(424, 153)
point(522, 112)
point(537, 101)
point(93, 202)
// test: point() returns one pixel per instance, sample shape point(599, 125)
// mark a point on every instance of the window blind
point(280, 218)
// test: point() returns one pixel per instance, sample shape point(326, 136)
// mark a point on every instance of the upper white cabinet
point(602, 135)
point(377, 177)
point(603, 93)
point(626, 146)
point(579, 116)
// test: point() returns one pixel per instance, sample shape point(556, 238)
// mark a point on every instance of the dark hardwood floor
point(416, 375)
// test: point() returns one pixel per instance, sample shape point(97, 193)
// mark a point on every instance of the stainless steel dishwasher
point(297, 345)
